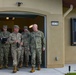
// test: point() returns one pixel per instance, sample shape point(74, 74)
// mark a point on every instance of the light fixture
point(7, 18)
point(13, 18)
point(19, 3)
point(30, 26)
point(54, 23)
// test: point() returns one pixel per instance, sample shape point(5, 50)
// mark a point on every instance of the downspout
point(65, 14)
point(68, 11)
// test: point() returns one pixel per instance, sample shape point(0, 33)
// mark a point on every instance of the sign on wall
point(54, 23)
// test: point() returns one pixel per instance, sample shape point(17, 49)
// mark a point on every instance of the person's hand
point(21, 43)
point(43, 48)
point(6, 42)
point(28, 49)
point(15, 41)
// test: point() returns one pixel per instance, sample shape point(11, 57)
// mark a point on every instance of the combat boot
point(1, 66)
point(32, 70)
point(15, 69)
point(21, 64)
point(39, 68)
point(6, 66)
point(26, 64)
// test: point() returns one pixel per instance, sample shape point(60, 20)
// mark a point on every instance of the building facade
point(58, 49)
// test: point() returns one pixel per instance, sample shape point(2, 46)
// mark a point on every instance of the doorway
point(23, 19)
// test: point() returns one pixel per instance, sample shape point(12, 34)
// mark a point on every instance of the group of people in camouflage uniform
point(21, 43)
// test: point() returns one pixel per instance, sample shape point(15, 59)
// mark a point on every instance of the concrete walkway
point(44, 71)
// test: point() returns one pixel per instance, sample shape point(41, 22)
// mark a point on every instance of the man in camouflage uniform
point(5, 47)
point(16, 41)
point(26, 49)
point(37, 44)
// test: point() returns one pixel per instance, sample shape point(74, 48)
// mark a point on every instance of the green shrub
point(70, 74)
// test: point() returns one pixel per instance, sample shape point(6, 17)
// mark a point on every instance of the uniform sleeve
point(43, 40)
point(0, 34)
point(10, 39)
point(9, 33)
point(29, 37)
point(21, 38)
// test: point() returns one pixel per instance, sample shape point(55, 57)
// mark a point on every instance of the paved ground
point(44, 71)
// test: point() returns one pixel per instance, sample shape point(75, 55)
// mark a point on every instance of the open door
point(24, 19)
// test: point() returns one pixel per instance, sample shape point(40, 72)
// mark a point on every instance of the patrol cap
point(5, 26)
point(16, 26)
point(25, 27)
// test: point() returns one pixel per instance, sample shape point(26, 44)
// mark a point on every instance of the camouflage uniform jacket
point(26, 38)
point(37, 39)
point(5, 35)
point(13, 37)
point(0, 40)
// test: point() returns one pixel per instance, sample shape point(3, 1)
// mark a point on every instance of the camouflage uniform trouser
point(26, 52)
point(36, 53)
point(1, 56)
point(16, 53)
point(4, 52)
